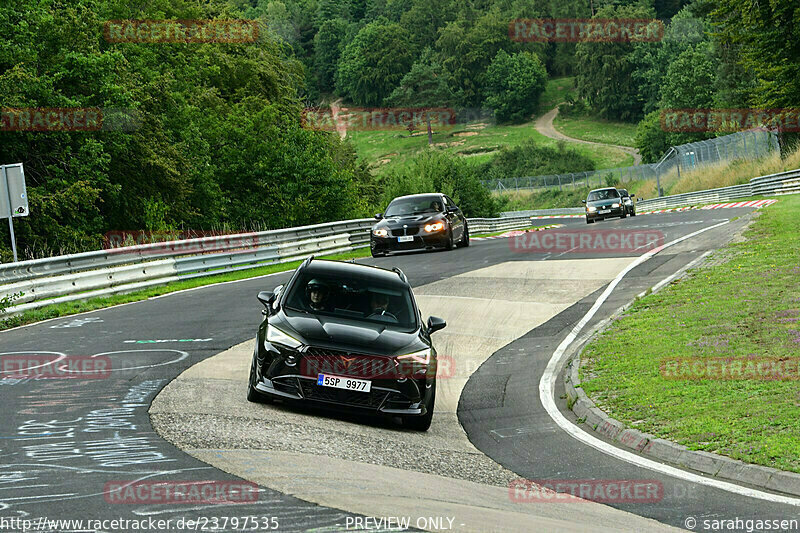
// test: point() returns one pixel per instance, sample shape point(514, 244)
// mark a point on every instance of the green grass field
point(746, 303)
point(555, 92)
point(386, 150)
point(596, 130)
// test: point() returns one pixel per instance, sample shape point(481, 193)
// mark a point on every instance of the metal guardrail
point(773, 184)
point(119, 270)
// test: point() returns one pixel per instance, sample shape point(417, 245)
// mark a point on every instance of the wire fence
point(751, 144)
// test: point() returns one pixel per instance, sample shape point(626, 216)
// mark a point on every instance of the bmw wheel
point(464, 242)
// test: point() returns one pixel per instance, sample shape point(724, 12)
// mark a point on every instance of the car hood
point(349, 335)
point(409, 220)
point(603, 203)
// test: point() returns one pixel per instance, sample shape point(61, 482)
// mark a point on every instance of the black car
point(604, 203)
point(347, 336)
point(628, 201)
point(419, 222)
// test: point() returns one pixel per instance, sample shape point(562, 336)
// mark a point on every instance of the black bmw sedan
point(419, 222)
point(349, 336)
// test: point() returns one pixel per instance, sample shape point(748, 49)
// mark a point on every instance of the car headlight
point(436, 226)
point(380, 232)
point(591, 209)
point(614, 205)
point(423, 356)
point(276, 336)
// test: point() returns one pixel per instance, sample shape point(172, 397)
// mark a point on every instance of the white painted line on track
point(547, 397)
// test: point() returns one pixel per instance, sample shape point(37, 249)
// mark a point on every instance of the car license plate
point(604, 211)
point(338, 382)
point(407, 238)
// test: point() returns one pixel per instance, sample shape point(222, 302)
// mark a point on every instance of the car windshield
point(604, 194)
point(354, 296)
point(414, 206)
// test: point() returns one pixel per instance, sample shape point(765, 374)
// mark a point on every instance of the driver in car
point(317, 294)
point(378, 304)
point(436, 206)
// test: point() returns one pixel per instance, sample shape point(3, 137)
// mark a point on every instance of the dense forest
point(220, 142)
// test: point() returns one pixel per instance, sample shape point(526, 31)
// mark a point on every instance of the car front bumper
point(613, 212)
point(420, 242)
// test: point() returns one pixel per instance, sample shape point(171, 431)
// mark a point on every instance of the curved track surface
point(64, 440)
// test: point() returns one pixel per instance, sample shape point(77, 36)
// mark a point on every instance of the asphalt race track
point(64, 441)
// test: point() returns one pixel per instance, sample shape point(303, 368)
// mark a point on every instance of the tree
point(373, 64)
point(514, 84)
point(425, 86)
point(328, 46)
point(467, 48)
point(689, 80)
point(604, 70)
point(768, 37)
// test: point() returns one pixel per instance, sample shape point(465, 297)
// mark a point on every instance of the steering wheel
point(386, 314)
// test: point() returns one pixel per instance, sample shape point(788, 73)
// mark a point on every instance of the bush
point(531, 159)
point(434, 171)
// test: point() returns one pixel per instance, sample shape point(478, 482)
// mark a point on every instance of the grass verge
point(745, 303)
point(593, 129)
point(72, 308)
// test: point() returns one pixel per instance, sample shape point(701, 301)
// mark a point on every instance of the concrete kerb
point(660, 449)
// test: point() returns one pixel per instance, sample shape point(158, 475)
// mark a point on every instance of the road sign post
point(13, 198)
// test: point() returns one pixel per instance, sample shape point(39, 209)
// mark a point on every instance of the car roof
point(604, 189)
point(323, 266)
point(423, 195)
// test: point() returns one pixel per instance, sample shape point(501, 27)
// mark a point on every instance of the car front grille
point(321, 360)
point(407, 231)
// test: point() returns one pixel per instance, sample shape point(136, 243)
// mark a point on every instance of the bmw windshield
point(414, 206)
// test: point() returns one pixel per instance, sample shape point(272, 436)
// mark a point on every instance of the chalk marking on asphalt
point(62, 356)
point(547, 397)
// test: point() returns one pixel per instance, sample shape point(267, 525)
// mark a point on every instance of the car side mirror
point(452, 208)
point(435, 324)
point(583, 201)
point(633, 196)
point(378, 216)
point(266, 298)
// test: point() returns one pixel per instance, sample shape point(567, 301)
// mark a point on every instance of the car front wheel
point(254, 395)
point(423, 423)
point(464, 242)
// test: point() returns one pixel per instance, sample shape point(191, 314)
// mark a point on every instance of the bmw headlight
point(436, 226)
point(614, 205)
point(591, 209)
point(380, 232)
point(276, 336)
